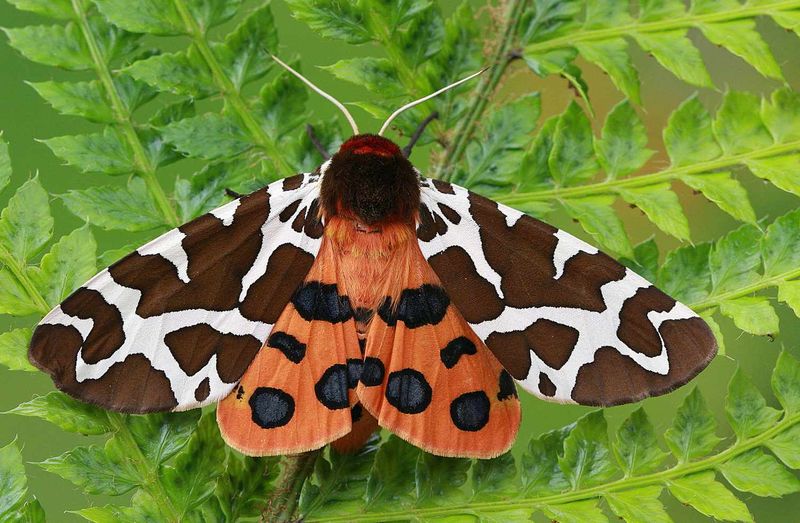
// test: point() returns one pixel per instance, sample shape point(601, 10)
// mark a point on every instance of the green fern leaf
point(67, 413)
point(747, 409)
point(112, 207)
point(636, 447)
point(15, 503)
point(709, 497)
point(14, 349)
point(84, 99)
point(600, 32)
point(55, 45)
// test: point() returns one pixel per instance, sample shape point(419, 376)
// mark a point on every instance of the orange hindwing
point(429, 379)
point(298, 392)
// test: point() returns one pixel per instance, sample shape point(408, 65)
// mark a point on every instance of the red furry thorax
point(370, 144)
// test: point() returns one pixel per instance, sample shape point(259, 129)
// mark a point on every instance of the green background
point(24, 118)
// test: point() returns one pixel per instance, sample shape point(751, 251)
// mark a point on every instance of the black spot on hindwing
point(507, 387)
point(470, 411)
point(455, 349)
point(331, 389)
point(321, 301)
point(288, 345)
point(373, 372)
point(271, 408)
point(354, 369)
point(408, 391)
point(425, 305)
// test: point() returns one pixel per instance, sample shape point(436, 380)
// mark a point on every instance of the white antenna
point(417, 102)
point(316, 89)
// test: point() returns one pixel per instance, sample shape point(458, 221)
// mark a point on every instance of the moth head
point(370, 181)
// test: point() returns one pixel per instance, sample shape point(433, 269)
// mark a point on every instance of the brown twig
point(282, 503)
point(418, 133)
point(316, 143)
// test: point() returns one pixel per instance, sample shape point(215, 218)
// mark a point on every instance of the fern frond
point(578, 473)
point(104, 37)
point(94, 44)
point(139, 455)
point(562, 163)
point(557, 32)
point(549, 35)
point(423, 52)
point(213, 68)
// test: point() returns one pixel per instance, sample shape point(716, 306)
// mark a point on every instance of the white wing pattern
point(568, 322)
point(182, 317)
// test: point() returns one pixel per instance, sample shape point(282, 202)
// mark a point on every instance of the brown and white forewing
point(568, 322)
point(174, 325)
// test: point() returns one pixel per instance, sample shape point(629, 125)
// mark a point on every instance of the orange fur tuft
point(373, 263)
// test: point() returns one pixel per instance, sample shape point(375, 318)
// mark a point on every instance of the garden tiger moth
point(363, 294)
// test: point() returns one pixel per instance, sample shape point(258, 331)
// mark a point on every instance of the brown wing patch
point(107, 335)
point(131, 385)
point(430, 225)
point(613, 378)
point(194, 346)
point(512, 350)
point(215, 267)
point(476, 298)
point(531, 243)
point(269, 294)
point(429, 379)
point(634, 328)
point(292, 182)
point(551, 341)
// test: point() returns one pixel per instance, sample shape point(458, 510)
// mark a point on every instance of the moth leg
point(316, 143)
point(233, 194)
point(418, 133)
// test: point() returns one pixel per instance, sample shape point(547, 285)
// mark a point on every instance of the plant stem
point(414, 82)
point(605, 187)
point(122, 119)
point(149, 475)
point(18, 271)
point(656, 478)
point(763, 283)
point(674, 23)
point(283, 502)
point(499, 61)
point(230, 92)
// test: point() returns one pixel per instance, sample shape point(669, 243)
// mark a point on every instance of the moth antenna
point(426, 98)
point(319, 91)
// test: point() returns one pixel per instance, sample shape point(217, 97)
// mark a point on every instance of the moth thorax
point(379, 242)
point(371, 264)
point(371, 181)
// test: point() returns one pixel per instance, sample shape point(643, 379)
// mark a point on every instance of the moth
point(364, 295)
